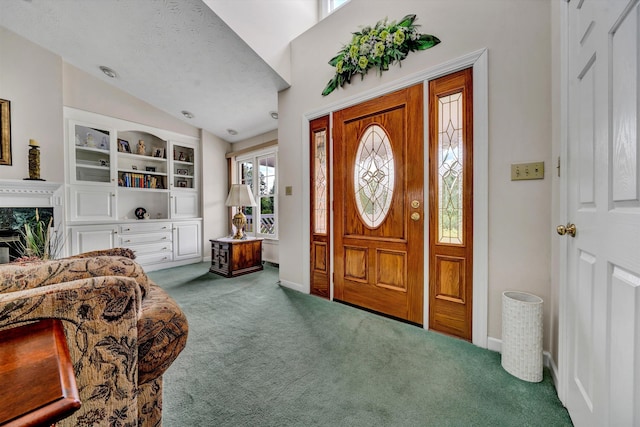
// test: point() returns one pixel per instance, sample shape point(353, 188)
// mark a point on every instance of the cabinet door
point(184, 204)
point(92, 238)
point(183, 165)
point(90, 154)
point(186, 240)
point(90, 203)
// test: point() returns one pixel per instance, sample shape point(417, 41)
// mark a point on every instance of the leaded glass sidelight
point(450, 162)
point(320, 182)
point(374, 176)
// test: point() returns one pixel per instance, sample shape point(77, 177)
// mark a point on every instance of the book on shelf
point(139, 180)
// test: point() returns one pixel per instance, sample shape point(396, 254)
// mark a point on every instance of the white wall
point(85, 92)
point(269, 26)
point(215, 187)
point(256, 140)
point(31, 78)
point(518, 38)
point(38, 83)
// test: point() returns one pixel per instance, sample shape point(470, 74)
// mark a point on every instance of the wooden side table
point(234, 257)
point(37, 382)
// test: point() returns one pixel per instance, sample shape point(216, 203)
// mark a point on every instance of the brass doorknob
point(569, 229)
point(415, 216)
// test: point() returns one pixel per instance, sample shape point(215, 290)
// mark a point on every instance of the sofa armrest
point(162, 334)
point(100, 321)
point(17, 276)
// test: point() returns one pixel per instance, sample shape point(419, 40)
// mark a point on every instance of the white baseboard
point(553, 368)
point(291, 285)
point(495, 344)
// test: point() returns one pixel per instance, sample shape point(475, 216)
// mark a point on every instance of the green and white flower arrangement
point(377, 47)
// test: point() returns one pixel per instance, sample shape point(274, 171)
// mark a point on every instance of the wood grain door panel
point(372, 259)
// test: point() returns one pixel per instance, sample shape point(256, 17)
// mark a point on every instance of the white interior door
point(602, 303)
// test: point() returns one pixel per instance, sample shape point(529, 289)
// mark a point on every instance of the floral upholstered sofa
point(123, 331)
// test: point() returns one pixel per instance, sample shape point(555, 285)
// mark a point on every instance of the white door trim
point(562, 363)
point(479, 61)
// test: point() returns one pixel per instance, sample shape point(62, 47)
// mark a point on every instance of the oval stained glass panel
point(374, 176)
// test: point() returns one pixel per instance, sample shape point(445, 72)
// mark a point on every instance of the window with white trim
point(328, 6)
point(259, 171)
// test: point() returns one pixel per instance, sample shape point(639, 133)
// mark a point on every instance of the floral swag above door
point(377, 47)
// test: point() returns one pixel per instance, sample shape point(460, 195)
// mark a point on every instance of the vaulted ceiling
point(177, 55)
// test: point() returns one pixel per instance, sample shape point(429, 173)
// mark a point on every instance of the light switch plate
point(522, 171)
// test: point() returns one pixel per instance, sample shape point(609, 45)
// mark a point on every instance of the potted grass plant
point(38, 240)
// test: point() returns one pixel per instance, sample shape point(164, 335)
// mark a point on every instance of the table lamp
point(240, 195)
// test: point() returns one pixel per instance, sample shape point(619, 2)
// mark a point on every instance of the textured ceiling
point(174, 54)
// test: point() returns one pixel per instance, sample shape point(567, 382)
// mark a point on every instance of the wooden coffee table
point(37, 383)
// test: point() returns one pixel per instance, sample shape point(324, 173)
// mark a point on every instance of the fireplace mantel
point(16, 193)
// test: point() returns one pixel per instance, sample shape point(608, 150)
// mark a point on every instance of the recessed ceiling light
point(187, 114)
point(274, 115)
point(109, 72)
point(232, 132)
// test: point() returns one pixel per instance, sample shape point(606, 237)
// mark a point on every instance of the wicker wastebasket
point(522, 335)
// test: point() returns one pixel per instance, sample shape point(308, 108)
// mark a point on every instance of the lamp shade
point(240, 195)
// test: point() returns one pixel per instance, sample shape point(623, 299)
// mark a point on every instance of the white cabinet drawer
point(154, 258)
point(140, 250)
point(139, 239)
point(146, 227)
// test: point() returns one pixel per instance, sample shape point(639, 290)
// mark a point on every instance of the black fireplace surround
point(12, 220)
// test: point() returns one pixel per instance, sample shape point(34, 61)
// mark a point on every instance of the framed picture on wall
point(5, 132)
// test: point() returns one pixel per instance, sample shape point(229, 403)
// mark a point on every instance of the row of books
point(139, 180)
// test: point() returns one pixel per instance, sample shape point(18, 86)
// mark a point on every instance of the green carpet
point(260, 354)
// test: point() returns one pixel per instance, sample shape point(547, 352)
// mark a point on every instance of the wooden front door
point(379, 204)
point(600, 358)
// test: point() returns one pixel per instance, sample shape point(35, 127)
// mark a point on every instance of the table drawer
point(138, 239)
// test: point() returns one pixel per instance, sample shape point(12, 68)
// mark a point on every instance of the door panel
point(624, 330)
point(603, 266)
point(378, 174)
